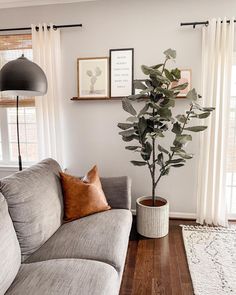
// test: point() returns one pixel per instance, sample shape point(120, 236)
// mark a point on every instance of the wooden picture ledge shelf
point(100, 98)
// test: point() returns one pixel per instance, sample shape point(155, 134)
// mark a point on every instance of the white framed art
point(93, 77)
point(121, 72)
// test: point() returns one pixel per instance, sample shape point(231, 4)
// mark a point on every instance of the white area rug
point(211, 255)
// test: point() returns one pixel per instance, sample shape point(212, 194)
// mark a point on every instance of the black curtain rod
point(194, 24)
point(48, 27)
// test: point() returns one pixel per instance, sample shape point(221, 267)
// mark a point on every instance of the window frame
point(8, 43)
point(5, 141)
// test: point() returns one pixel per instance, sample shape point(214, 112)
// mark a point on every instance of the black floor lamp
point(22, 77)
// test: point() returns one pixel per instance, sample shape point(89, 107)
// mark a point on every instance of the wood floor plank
point(127, 281)
point(157, 266)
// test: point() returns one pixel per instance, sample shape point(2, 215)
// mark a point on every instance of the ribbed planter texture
point(152, 222)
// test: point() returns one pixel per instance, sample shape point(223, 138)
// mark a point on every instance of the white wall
point(151, 26)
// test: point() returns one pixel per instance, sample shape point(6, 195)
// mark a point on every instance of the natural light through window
point(28, 134)
point(12, 47)
point(231, 162)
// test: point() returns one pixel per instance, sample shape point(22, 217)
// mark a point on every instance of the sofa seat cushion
point(35, 203)
point(65, 276)
point(10, 257)
point(102, 236)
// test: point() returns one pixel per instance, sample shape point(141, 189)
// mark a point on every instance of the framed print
point(186, 76)
point(93, 77)
point(121, 72)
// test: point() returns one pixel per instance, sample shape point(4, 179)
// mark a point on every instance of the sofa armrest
point(117, 191)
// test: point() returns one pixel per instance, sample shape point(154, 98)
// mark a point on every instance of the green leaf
point(147, 90)
point(138, 163)
point(158, 133)
point(132, 119)
point(166, 92)
point(155, 67)
point(154, 105)
point(196, 128)
point(164, 113)
point(176, 128)
point(175, 148)
point(184, 155)
point(125, 126)
point(176, 73)
point(139, 85)
point(192, 94)
point(148, 83)
point(127, 106)
point(203, 115)
point(182, 139)
point(161, 79)
point(168, 103)
point(146, 151)
point(161, 149)
point(169, 75)
point(165, 171)
point(204, 109)
point(135, 96)
point(181, 118)
point(170, 53)
point(176, 161)
point(146, 70)
point(149, 71)
point(180, 87)
point(159, 159)
point(127, 133)
point(130, 138)
point(132, 147)
point(142, 125)
point(144, 110)
point(177, 165)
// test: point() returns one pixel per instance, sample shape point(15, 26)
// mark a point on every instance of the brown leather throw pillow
point(83, 197)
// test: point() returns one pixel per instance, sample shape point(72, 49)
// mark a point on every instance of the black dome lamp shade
point(22, 77)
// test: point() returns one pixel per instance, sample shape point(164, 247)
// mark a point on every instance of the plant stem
point(153, 171)
point(173, 153)
point(164, 65)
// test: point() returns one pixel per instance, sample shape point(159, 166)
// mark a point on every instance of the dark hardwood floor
point(157, 266)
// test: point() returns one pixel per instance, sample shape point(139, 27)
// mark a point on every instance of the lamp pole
point(18, 132)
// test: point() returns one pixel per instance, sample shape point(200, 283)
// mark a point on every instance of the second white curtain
point(47, 54)
point(217, 53)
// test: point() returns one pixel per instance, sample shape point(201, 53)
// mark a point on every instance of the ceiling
point(24, 3)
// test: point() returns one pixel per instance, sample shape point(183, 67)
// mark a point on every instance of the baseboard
point(183, 215)
point(177, 215)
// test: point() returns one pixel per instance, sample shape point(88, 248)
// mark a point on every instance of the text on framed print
point(121, 72)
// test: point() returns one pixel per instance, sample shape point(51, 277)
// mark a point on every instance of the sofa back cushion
point(35, 204)
point(10, 258)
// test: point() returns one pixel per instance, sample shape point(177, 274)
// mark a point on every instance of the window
point(231, 156)
point(12, 47)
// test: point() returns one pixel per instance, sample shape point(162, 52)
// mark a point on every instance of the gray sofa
point(41, 255)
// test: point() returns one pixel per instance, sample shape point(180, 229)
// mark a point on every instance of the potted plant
point(148, 126)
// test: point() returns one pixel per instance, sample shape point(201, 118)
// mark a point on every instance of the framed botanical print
point(121, 72)
point(93, 77)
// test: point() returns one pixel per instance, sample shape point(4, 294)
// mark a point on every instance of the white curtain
point(217, 53)
point(47, 54)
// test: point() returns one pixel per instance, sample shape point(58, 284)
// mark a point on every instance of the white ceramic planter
point(152, 222)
